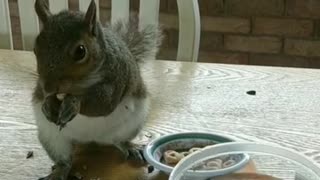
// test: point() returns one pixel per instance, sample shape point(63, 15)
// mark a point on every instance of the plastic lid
point(306, 170)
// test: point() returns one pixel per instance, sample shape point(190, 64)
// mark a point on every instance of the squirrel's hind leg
point(60, 172)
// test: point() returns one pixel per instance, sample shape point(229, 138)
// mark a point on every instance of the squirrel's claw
point(46, 111)
point(131, 152)
point(50, 108)
point(69, 108)
point(136, 154)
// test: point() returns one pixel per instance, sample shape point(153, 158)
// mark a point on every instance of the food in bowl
point(182, 145)
point(172, 157)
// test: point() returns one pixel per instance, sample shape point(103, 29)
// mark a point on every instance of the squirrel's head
point(68, 49)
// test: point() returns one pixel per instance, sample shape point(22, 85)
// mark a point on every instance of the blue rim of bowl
point(150, 148)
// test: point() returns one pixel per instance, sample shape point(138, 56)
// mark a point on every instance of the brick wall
point(256, 32)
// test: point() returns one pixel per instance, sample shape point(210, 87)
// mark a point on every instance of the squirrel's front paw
point(69, 108)
point(50, 108)
point(131, 152)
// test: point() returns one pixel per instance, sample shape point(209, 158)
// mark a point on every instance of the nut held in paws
point(61, 96)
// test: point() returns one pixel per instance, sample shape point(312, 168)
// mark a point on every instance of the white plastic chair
point(189, 21)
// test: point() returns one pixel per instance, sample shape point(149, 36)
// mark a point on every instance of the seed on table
point(252, 92)
point(30, 154)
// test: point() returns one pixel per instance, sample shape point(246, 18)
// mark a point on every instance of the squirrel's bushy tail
point(143, 43)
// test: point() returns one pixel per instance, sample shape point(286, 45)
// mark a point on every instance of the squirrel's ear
point(42, 9)
point(91, 17)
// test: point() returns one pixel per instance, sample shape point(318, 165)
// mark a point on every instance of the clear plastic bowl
point(289, 165)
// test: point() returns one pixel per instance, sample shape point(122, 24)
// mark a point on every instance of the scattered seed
point(252, 92)
point(172, 157)
point(185, 153)
point(61, 96)
point(150, 169)
point(229, 163)
point(30, 154)
point(215, 164)
point(148, 135)
point(194, 149)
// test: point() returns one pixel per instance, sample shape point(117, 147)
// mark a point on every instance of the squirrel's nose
point(58, 86)
point(64, 86)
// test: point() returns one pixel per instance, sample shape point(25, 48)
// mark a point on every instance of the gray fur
point(107, 74)
point(143, 43)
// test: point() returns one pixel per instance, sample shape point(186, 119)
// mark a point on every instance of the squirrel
point(97, 69)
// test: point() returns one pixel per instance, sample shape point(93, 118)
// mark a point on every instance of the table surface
point(185, 97)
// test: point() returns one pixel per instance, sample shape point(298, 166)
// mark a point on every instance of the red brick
point(210, 41)
point(278, 60)
point(215, 7)
point(74, 5)
point(210, 57)
point(106, 4)
point(223, 57)
point(172, 6)
point(169, 21)
point(171, 38)
point(167, 54)
point(15, 25)
point(303, 8)
point(164, 6)
point(203, 7)
point(255, 7)
point(317, 29)
point(314, 63)
point(206, 7)
point(166, 36)
point(211, 7)
point(253, 44)
point(134, 5)
point(284, 27)
point(215, 24)
point(225, 24)
point(105, 15)
point(302, 47)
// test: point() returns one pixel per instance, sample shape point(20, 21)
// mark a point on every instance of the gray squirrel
point(97, 69)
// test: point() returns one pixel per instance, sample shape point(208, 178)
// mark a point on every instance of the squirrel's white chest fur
point(118, 126)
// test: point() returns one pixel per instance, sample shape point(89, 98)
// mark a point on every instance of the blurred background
point(254, 32)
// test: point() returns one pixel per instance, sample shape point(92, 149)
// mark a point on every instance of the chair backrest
point(189, 21)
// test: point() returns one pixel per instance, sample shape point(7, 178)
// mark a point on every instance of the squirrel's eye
point(79, 53)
